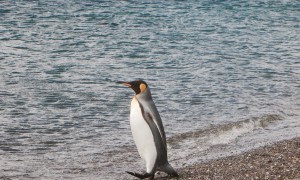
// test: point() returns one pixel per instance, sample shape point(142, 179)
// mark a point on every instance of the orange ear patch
point(143, 87)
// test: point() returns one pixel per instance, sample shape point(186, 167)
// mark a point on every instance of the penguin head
point(139, 86)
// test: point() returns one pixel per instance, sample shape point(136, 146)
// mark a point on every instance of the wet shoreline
point(280, 160)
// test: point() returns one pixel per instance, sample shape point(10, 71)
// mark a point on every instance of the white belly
point(142, 136)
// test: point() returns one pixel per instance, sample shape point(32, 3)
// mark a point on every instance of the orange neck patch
point(143, 87)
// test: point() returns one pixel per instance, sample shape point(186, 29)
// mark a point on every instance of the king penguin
point(148, 131)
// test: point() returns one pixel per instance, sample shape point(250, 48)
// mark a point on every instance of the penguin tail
point(169, 170)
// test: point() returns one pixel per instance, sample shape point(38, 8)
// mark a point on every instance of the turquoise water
point(225, 76)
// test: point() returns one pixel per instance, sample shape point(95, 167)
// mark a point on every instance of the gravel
point(278, 161)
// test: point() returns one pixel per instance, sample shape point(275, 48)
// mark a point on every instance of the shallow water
point(225, 77)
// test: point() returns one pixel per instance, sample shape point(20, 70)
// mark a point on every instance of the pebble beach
point(277, 161)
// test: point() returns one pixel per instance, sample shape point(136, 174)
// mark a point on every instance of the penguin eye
point(143, 87)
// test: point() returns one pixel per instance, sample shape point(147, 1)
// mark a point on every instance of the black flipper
point(141, 176)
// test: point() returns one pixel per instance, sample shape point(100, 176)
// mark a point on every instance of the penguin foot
point(141, 176)
point(174, 174)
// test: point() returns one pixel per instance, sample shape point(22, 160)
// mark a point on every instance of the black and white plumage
point(148, 131)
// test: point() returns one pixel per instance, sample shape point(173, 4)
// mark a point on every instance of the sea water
point(225, 77)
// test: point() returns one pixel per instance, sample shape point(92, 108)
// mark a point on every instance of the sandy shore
point(278, 161)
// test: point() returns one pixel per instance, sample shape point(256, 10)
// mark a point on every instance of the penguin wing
point(152, 113)
point(159, 141)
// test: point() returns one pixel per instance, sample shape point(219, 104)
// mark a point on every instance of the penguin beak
point(125, 83)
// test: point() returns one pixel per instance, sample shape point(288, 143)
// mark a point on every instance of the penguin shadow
point(164, 176)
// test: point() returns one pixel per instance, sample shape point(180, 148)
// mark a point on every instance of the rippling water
point(225, 76)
